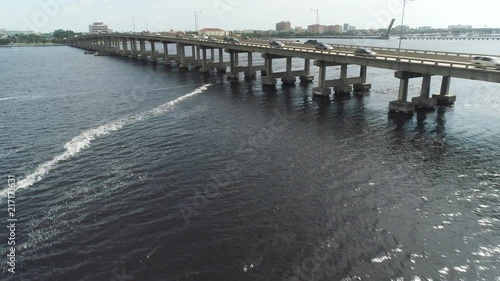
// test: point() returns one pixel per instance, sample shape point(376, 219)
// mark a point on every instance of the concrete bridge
point(407, 64)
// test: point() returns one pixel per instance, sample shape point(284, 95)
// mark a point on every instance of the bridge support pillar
point(308, 78)
point(233, 75)
point(344, 88)
point(424, 100)
point(125, 47)
point(204, 66)
point(402, 105)
point(221, 68)
point(153, 51)
point(166, 60)
point(133, 48)
point(444, 97)
point(269, 79)
point(250, 73)
point(363, 86)
point(182, 57)
point(322, 90)
point(289, 79)
point(212, 58)
point(142, 44)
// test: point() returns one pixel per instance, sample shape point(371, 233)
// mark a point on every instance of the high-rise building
point(98, 27)
point(283, 26)
point(347, 27)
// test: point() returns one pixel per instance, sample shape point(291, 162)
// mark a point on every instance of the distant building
point(347, 27)
point(397, 29)
point(283, 26)
point(299, 30)
point(248, 31)
point(4, 32)
point(460, 27)
point(316, 29)
point(212, 32)
point(98, 27)
point(424, 28)
point(334, 28)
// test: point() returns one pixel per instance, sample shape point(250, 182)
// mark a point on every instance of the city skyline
point(49, 15)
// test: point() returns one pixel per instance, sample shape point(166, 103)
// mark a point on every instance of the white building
point(98, 27)
point(4, 32)
point(212, 32)
point(460, 26)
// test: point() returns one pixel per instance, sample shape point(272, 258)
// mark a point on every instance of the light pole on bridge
point(317, 15)
point(401, 29)
point(196, 20)
point(133, 22)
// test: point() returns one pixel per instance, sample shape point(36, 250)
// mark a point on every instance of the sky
point(163, 15)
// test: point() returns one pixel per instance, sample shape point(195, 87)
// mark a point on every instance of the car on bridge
point(311, 42)
point(324, 46)
point(364, 52)
point(277, 44)
point(231, 39)
point(484, 62)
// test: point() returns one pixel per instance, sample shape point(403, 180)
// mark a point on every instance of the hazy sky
point(48, 15)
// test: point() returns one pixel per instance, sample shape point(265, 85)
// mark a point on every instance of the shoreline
point(32, 45)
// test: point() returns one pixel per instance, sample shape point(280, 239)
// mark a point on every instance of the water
point(127, 172)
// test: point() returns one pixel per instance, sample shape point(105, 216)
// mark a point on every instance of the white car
point(485, 62)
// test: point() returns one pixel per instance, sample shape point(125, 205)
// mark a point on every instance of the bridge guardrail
point(337, 53)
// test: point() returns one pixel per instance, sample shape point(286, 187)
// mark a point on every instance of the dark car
point(312, 42)
point(323, 46)
point(276, 44)
point(231, 39)
point(365, 53)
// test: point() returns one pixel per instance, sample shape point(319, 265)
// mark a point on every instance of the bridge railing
point(443, 53)
point(392, 58)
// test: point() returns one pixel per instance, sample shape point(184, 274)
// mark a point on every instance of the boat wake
point(83, 140)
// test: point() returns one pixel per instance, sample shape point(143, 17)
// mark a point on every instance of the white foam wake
point(84, 139)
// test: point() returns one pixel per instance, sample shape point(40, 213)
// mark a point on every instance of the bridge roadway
point(407, 63)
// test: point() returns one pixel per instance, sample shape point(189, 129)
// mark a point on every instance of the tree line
point(57, 37)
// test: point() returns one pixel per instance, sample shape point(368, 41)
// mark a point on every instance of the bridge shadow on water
point(334, 114)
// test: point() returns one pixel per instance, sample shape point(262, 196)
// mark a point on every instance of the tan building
point(335, 28)
point(316, 29)
point(299, 30)
point(283, 26)
point(212, 32)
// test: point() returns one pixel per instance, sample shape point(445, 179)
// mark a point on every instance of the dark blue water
point(127, 172)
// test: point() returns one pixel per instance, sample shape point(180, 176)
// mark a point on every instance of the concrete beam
point(342, 82)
